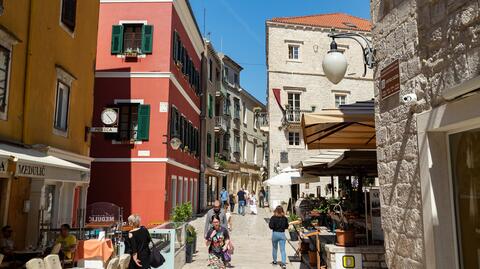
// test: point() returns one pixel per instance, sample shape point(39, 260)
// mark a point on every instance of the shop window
point(132, 38)
point(61, 106)
point(465, 167)
point(134, 122)
point(293, 138)
point(69, 10)
point(4, 75)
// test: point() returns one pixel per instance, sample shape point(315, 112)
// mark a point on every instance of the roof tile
point(334, 20)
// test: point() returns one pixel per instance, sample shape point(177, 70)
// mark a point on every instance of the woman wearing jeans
point(278, 223)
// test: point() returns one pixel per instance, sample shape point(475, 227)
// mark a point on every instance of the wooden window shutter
point(143, 122)
point(117, 39)
point(210, 106)
point(173, 122)
point(147, 39)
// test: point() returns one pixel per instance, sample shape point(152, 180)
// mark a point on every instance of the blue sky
point(237, 27)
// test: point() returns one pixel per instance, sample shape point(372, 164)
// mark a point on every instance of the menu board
point(377, 231)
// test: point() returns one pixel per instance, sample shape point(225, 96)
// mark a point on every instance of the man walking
point(261, 197)
point(216, 210)
point(241, 202)
point(223, 197)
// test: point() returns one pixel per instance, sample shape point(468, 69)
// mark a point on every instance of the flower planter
point(345, 238)
point(293, 236)
point(189, 252)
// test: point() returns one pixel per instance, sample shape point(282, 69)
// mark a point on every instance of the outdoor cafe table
point(94, 249)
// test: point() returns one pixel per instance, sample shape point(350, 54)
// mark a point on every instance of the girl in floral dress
point(217, 241)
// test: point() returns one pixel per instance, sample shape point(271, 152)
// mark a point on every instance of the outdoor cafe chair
point(52, 261)
point(35, 263)
point(124, 261)
point(113, 263)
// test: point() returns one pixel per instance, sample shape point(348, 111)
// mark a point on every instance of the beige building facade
point(295, 50)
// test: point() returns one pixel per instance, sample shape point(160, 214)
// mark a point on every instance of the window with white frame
point(62, 101)
point(340, 99)
point(185, 189)
point(245, 150)
point(61, 106)
point(293, 138)
point(293, 52)
point(4, 78)
point(245, 115)
point(174, 192)
point(180, 190)
point(293, 112)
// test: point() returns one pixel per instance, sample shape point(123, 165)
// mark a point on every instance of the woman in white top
point(253, 203)
point(228, 215)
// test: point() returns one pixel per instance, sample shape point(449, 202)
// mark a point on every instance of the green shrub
point(182, 213)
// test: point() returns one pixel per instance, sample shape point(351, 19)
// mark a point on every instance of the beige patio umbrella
point(348, 127)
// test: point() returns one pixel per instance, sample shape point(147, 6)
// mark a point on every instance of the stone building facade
point(238, 146)
point(295, 49)
point(428, 149)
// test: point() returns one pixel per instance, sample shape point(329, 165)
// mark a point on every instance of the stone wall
point(437, 45)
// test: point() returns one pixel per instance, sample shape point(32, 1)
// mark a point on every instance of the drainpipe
point(26, 82)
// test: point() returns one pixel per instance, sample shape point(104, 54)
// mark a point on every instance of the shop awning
point(290, 176)
point(354, 162)
point(348, 127)
point(36, 164)
point(325, 156)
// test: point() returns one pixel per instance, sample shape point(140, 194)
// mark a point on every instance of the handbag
point(156, 257)
point(226, 256)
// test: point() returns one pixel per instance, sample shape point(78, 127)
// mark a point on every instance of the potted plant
point(190, 243)
point(292, 229)
point(345, 234)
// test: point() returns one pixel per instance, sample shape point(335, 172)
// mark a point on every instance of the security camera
point(409, 98)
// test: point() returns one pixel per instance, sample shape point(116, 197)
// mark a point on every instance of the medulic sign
point(30, 170)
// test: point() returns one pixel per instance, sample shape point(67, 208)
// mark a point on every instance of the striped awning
point(348, 127)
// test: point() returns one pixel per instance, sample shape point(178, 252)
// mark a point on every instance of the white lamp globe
point(334, 66)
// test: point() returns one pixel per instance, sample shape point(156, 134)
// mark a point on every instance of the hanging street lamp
point(335, 63)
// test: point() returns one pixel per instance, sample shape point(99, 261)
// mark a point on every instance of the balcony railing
point(294, 115)
point(262, 119)
point(220, 123)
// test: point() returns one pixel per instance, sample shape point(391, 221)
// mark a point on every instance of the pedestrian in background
point(232, 202)
point(228, 215)
point(278, 223)
point(253, 203)
point(216, 210)
point(241, 195)
point(261, 197)
point(224, 196)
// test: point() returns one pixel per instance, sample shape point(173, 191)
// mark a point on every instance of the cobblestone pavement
point(252, 240)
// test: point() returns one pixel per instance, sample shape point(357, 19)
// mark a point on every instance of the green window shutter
point(209, 144)
point(210, 106)
point(147, 39)
point(117, 39)
point(143, 122)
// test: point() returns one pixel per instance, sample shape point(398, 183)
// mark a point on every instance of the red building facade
point(148, 72)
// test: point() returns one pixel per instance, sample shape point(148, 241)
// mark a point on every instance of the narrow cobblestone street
point(252, 239)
